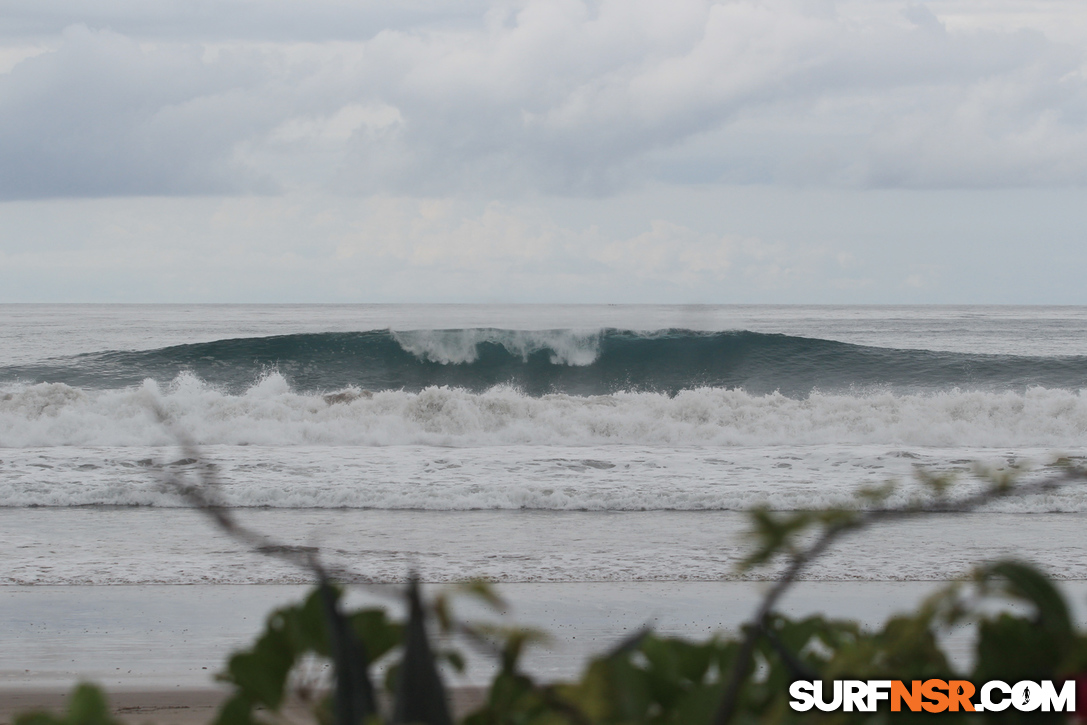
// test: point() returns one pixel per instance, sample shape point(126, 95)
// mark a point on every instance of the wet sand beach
point(155, 649)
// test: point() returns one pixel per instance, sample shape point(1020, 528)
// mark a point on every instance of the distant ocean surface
point(527, 408)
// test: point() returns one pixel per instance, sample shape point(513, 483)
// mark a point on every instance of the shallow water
point(148, 637)
point(129, 546)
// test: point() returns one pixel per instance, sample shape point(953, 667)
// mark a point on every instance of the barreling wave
point(272, 413)
point(559, 361)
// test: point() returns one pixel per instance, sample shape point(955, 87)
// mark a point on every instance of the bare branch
point(999, 489)
point(203, 496)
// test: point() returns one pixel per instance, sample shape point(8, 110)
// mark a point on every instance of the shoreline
point(173, 638)
point(189, 706)
point(180, 706)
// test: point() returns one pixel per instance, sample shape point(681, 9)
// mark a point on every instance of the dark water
point(665, 361)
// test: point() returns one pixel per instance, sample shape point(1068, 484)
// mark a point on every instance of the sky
point(620, 151)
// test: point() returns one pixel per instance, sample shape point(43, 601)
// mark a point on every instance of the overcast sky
point(803, 151)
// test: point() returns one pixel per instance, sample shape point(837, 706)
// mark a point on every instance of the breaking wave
point(271, 412)
point(558, 361)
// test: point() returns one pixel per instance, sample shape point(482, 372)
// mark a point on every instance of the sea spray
point(559, 361)
point(271, 413)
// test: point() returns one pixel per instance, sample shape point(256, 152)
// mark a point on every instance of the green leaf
point(420, 696)
point(877, 495)
point(1027, 583)
point(307, 624)
point(454, 658)
point(483, 591)
point(355, 698)
point(261, 673)
point(632, 690)
point(236, 711)
point(87, 706)
point(376, 631)
point(1012, 648)
point(938, 484)
point(774, 534)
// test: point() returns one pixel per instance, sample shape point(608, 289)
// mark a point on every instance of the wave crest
point(461, 347)
point(567, 361)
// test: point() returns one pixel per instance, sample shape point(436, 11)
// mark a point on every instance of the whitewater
point(467, 424)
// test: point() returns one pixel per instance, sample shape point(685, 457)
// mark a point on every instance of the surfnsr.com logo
point(933, 696)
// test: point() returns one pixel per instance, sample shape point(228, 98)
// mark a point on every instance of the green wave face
point(559, 361)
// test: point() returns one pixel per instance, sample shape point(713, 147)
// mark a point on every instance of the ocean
point(537, 443)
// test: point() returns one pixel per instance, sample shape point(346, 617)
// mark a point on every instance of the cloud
point(102, 116)
point(262, 20)
point(502, 240)
point(558, 97)
point(295, 248)
point(750, 244)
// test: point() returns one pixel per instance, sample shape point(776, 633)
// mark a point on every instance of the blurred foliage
point(86, 706)
point(653, 679)
point(1022, 625)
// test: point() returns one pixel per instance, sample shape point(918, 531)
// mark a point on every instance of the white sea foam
point(270, 413)
point(449, 347)
point(544, 478)
point(449, 449)
point(630, 486)
point(140, 546)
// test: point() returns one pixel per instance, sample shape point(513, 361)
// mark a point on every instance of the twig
point(800, 560)
point(354, 698)
point(202, 497)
